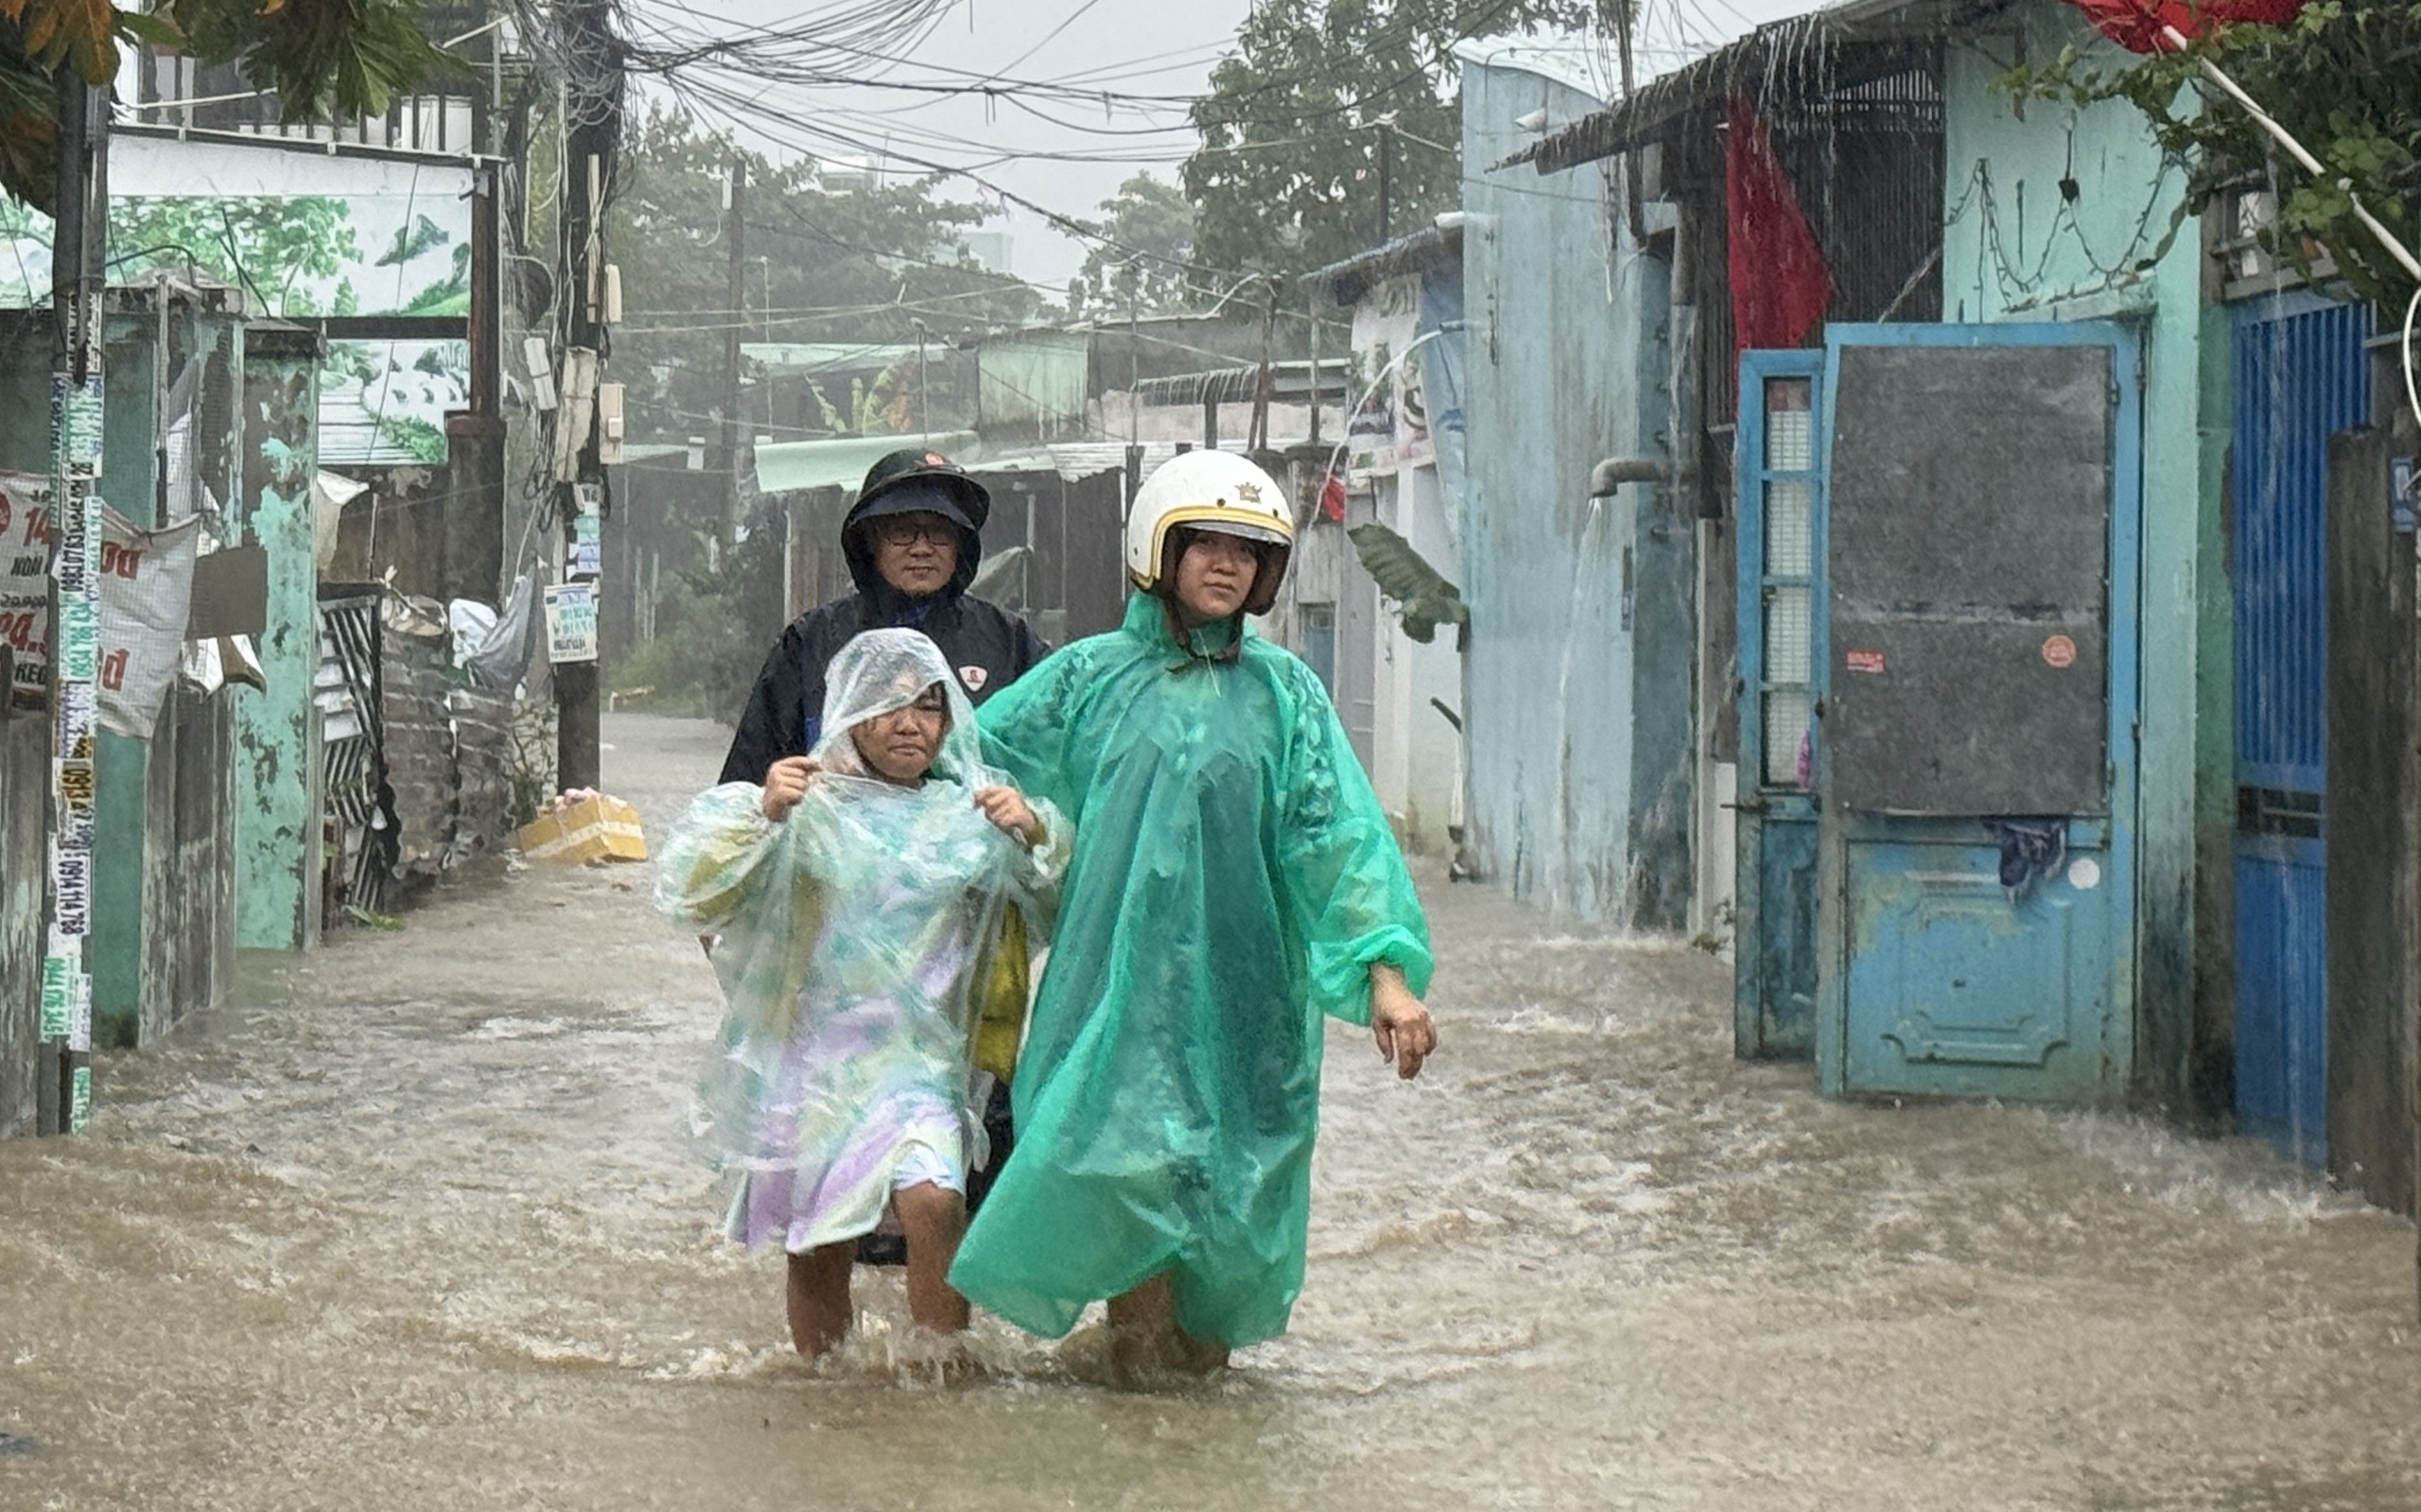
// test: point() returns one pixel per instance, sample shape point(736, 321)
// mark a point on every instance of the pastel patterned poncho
point(853, 941)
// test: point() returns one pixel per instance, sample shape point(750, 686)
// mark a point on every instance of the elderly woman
point(858, 912)
point(1234, 879)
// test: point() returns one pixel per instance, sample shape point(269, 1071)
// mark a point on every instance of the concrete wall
point(163, 836)
point(276, 728)
point(2015, 248)
point(163, 841)
point(1578, 680)
point(1415, 755)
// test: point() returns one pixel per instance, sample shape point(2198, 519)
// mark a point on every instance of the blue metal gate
point(2300, 375)
point(1938, 663)
point(1975, 765)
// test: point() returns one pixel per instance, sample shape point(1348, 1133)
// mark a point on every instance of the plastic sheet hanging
point(146, 591)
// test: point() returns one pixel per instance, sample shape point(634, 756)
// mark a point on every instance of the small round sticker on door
point(2060, 653)
point(2085, 873)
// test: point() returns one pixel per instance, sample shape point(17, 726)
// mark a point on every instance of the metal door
point(1979, 535)
point(1774, 977)
point(2300, 375)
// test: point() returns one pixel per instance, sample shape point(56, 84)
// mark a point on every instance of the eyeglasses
point(904, 531)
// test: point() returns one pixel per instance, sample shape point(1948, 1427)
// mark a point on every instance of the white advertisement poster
point(1390, 429)
point(571, 622)
point(147, 595)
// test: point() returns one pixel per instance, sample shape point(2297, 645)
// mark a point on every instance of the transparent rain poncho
point(1233, 878)
point(856, 943)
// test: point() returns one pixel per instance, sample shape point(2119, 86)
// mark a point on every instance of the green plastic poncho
point(1233, 878)
point(856, 939)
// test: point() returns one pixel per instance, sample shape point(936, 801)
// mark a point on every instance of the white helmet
point(1211, 491)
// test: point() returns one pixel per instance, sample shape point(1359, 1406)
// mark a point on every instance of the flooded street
point(413, 1225)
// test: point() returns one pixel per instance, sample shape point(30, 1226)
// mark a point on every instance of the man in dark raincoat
point(912, 541)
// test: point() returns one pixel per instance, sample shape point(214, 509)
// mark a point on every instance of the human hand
point(1397, 1021)
point(1007, 807)
point(786, 784)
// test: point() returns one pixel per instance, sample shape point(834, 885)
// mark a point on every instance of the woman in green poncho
point(1234, 879)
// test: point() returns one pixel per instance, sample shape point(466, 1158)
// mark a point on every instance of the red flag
point(2139, 24)
point(1779, 284)
point(1333, 499)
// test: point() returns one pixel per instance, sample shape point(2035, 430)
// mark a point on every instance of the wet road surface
point(411, 1225)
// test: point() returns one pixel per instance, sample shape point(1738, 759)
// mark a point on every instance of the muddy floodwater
point(411, 1225)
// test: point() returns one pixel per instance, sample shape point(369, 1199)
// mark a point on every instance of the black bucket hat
point(913, 480)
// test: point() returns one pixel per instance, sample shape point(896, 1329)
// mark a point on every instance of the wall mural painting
point(377, 235)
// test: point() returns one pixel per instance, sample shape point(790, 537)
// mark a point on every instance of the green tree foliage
point(323, 58)
point(855, 267)
point(2343, 77)
point(1287, 176)
point(1141, 266)
point(713, 622)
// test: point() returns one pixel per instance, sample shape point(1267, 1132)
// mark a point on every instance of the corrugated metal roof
point(1797, 59)
point(1289, 383)
point(1342, 283)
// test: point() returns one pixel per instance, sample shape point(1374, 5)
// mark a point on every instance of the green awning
point(795, 466)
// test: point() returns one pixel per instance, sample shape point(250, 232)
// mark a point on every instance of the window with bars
point(1787, 483)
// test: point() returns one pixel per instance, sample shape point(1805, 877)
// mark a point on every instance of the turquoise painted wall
point(2020, 245)
point(277, 754)
point(145, 905)
point(122, 766)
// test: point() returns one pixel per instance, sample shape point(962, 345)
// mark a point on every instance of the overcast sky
point(1133, 46)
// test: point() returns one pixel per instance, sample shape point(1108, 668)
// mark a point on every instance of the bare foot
point(1145, 1340)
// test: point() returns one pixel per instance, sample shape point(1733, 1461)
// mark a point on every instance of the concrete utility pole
point(475, 435)
point(1257, 434)
point(80, 253)
point(592, 127)
point(735, 424)
point(1133, 378)
point(924, 409)
point(1386, 172)
point(1621, 17)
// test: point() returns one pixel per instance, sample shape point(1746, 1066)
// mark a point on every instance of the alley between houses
point(409, 1223)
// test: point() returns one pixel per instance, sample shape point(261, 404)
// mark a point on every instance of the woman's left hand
point(1399, 1022)
point(1007, 807)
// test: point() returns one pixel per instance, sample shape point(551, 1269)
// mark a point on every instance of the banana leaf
point(1424, 598)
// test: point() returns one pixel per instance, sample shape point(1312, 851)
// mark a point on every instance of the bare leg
point(819, 1298)
point(935, 1218)
point(1144, 1333)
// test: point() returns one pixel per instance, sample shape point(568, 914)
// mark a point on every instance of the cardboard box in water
point(598, 829)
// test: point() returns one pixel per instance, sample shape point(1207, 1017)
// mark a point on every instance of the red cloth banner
point(1780, 284)
point(2137, 25)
